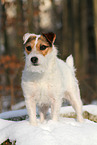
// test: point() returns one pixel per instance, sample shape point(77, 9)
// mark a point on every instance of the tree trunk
point(95, 22)
point(30, 15)
point(77, 54)
point(84, 40)
point(0, 24)
point(58, 18)
point(65, 31)
point(20, 28)
point(0, 103)
point(92, 46)
point(95, 27)
point(12, 93)
point(4, 19)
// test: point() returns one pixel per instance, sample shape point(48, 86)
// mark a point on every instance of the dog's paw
point(80, 119)
point(55, 119)
point(33, 123)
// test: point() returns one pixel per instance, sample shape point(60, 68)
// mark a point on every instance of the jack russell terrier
point(46, 79)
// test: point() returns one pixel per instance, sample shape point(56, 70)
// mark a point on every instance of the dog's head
point(38, 50)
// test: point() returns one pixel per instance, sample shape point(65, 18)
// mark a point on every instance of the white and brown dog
point(46, 79)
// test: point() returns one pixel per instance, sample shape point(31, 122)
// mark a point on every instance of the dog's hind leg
point(43, 111)
point(76, 103)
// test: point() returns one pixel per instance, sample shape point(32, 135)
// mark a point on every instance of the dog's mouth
point(35, 64)
point(34, 61)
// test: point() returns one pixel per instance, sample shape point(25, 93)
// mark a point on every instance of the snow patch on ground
point(64, 110)
point(11, 114)
point(92, 109)
point(66, 131)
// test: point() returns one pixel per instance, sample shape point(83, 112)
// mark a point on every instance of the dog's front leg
point(31, 108)
point(55, 109)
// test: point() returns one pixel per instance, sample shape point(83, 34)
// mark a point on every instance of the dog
point(46, 79)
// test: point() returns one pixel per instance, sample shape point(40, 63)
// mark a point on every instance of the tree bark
point(77, 54)
point(30, 15)
point(95, 22)
point(65, 31)
point(12, 93)
point(95, 27)
point(20, 28)
point(0, 24)
point(4, 21)
point(92, 45)
point(0, 103)
point(84, 40)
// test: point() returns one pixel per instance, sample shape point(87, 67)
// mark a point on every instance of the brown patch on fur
point(30, 42)
point(41, 41)
point(50, 37)
point(30, 39)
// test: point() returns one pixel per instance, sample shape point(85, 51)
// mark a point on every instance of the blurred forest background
point(75, 24)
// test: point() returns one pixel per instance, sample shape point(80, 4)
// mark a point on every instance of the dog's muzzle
point(34, 61)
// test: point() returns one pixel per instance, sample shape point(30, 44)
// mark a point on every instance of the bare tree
point(77, 54)
point(4, 28)
point(1, 88)
point(84, 40)
point(20, 27)
point(65, 29)
point(95, 27)
point(0, 23)
point(30, 15)
point(95, 22)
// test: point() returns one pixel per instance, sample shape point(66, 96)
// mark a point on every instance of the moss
point(86, 115)
point(7, 142)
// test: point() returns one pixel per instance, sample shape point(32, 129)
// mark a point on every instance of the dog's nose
point(34, 60)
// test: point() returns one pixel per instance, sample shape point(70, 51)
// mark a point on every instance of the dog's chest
point(42, 92)
point(44, 89)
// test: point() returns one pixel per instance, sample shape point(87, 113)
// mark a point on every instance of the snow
point(92, 109)
point(66, 131)
point(18, 105)
point(64, 110)
point(11, 114)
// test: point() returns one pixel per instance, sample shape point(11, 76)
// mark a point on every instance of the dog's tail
point(70, 61)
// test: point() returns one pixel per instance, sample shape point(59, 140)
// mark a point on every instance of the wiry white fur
point(27, 35)
point(48, 84)
point(69, 61)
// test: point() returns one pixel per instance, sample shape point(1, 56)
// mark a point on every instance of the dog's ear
point(26, 37)
point(50, 37)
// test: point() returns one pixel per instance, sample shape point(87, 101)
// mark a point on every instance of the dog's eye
point(43, 47)
point(28, 48)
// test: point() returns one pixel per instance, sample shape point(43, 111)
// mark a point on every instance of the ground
point(67, 131)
